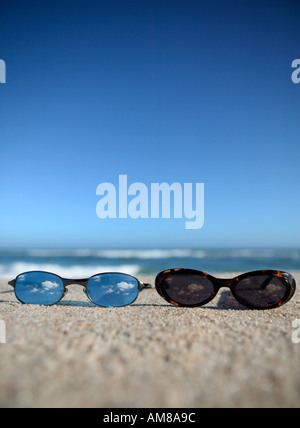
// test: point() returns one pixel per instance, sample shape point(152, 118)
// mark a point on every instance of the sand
point(150, 354)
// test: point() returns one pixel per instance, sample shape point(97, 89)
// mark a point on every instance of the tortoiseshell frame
point(82, 282)
point(229, 283)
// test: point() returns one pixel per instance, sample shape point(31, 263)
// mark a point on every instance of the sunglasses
point(106, 289)
point(266, 289)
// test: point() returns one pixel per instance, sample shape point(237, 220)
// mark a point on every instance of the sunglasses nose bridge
point(82, 282)
point(225, 283)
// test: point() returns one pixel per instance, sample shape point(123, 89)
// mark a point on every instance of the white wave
point(73, 271)
point(58, 253)
point(295, 255)
point(122, 254)
point(154, 254)
point(144, 254)
point(243, 253)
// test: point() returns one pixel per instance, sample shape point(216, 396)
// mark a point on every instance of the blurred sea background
point(163, 92)
point(80, 263)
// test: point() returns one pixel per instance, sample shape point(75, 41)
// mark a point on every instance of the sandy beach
point(150, 354)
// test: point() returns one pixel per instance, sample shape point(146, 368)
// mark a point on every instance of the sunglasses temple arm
point(144, 286)
point(12, 283)
point(266, 282)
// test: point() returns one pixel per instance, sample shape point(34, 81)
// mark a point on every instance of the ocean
point(81, 263)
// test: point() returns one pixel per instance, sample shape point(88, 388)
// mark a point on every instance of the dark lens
point(39, 288)
point(110, 289)
point(188, 288)
point(261, 291)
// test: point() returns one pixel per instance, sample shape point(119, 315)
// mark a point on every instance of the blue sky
point(193, 91)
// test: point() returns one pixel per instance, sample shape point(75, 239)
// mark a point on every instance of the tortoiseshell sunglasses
point(266, 289)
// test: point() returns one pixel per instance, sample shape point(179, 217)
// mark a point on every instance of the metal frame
point(83, 282)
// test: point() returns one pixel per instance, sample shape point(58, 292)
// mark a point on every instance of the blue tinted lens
point(113, 289)
point(39, 288)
